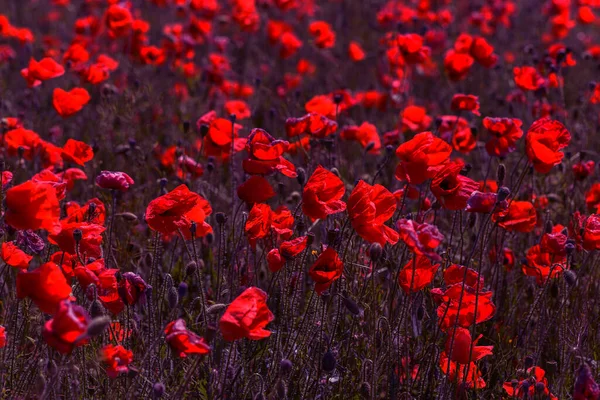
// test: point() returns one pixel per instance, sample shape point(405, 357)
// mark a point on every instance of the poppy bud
point(203, 130)
point(127, 216)
point(503, 194)
point(168, 280)
point(92, 209)
point(500, 174)
point(570, 277)
point(301, 176)
point(232, 117)
point(210, 238)
point(221, 218)
point(570, 248)
point(328, 361)
point(97, 326)
point(172, 297)
point(158, 390)
point(337, 98)
point(365, 390)
point(336, 172)
point(77, 235)
point(375, 251)
point(540, 387)
point(389, 149)
point(285, 366)
point(350, 304)
point(96, 309)
point(191, 268)
point(193, 228)
point(295, 196)
point(554, 290)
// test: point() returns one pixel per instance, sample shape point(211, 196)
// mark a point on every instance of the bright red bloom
point(528, 78)
point(583, 169)
point(118, 20)
point(322, 194)
point(448, 309)
point(415, 119)
point(456, 373)
point(32, 206)
point(417, 274)
point(322, 33)
point(369, 207)
point(14, 256)
point(2, 337)
point(176, 210)
point(77, 152)
point(114, 180)
point(355, 52)
point(93, 211)
point(275, 261)
point(247, 316)
point(69, 103)
point(452, 189)
point(544, 141)
point(465, 102)
point(258, 224)
point(39, 71)
point(457, 65)
point(366, 134)
point(70, 176)
point(520, 217)
point(239, 108)
point(90, 244)
point(542, 264)
point(66, 330)
point(291, 248)
point(45, 286)
point(420, 238)
point(421, 158)
point(22, 141)
point(117, 359)
point(463, 350)
point(221, 132)
point(266, 155)
point(255, 190)
point(327, 269)
point(526, 388)
point(504, 134)
point(183, 341)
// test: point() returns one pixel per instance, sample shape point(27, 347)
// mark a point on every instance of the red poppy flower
point(417, 274)
point(39, 71)
point(291, 248)
point(369, 208)
point(450, 313)
point(117, 359)
point(90, 243)
point(32, 206)
point(463, 350)
point(21, 141)
point(421, 157)
point(76, 54)
point(322, 194)
point(274, 260)
point(520, 217)
point(526, 388)
point(239, 108)
point(14, 256)
point(66, 330)
point(528, 78)
point(465, 102)
point(457, 372)
point(95, 73)
point(583, 169)
point(415, 119)
point(327, 269)
point(283, 222)
point(485, 202)
point(176, 210)
point(247, 316)
point(77, 152)
point(93, 211)
point(118, 20)
point(457, 65)
point(2, 337)
point(450, 188)
point(508, 258)
point(542, 265)
point(544, 141)
point(221, 132)
point(114, 180)
point(289, 45)
point(322, 33)
point(70, 176)
point(313, 124)
point(258, 224)
point(504, 134)
point(255, 190)
point(366, 134)
point(585, 387)
point(152, 55)
point(45, 286)
point(355, 52)
point(420, 238)
point(69, 103)
point(183, 341)
point(266, 155)
point(46, 176)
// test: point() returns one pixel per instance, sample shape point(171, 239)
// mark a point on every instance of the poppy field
point(300, 199)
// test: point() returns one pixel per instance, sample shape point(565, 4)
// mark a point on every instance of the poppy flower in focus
point(34, 206)
point(369, 207)
point(291, 248)
point(255, 190)
point(452, 189)
point(274, 260)
point(465, 102)
point(116, 358)
point(77, 152)
point(504, 134)
point(183, 341)
point(258, 224)
point(93, 211)
point(66, 330)
point(39, 71)
point(221, 132)
point(519, 217)
point(175, 212)
point(247, 316)
point(543, 265)
point(69, 103)
point(528, 78)
point(463, 350)
point(114, 180)
point(452, 310)
point(90, 243)
point(421, 158)
point(266, 155)
point(322, 194)
point(421, 238)
point(14, 256)
point(22, 142)
point(366, 134)
point(327, 269)
point(417, 274)
point(544, 141)
point(415, 119)
point(46, 286)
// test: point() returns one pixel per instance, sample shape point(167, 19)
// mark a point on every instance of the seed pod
point(375, 251)
point(190, 268)
point(285, 366)
point(301, 176)
point(96, 309)
point(221, 218)
point(182, 290)
point(172, 297)
point(328, 362)
point(503, 193)
point(215, 308)
point(97, 326)
point(168, 280)
point(570, 277)
point(350, 304)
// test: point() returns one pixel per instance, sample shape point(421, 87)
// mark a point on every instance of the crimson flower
point(114, 180)
point(247, 316)
point(183, 341)
point(327, 269)
point(322, 194)
point(369, 208)
point(66, 330)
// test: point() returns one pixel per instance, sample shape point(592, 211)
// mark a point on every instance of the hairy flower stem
point(110, 228)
